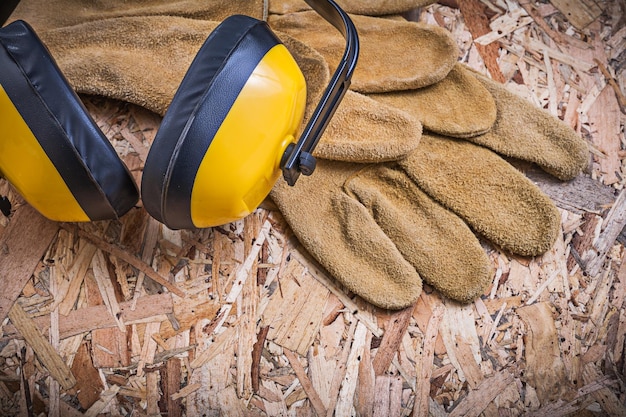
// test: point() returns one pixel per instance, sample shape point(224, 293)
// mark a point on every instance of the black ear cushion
point(214, 80)
point(87, 162)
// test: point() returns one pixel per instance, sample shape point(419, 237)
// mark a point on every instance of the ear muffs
point(218, 150)
point(223, 142)
point(51, 150)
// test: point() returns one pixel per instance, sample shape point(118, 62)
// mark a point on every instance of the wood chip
point(148, 348)
point(544, 368)
point(87, 377)
point(46, 354)
point(581, 13)
point(318, 406)
point(478, 399)
point(105, 398)
point(394, 332)
point(341, 368)
point(306, 296)
point(107, 292)
point(424, 366)
point(185, 391)
point(170, 385)
point(474, 14)
point(504, 25)
point(22, 244)
point(387, 396)
point(319, 274)
point(348, 387)
point(594, 258)
point(605, 118)
point(132, 260)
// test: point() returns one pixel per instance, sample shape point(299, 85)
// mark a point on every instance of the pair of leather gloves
point(411, 172)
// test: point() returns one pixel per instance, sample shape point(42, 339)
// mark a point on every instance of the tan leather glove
point(425, 209)
point(475, 185)
point(378, 234)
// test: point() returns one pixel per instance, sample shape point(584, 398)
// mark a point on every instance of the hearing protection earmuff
point(51, 150)
point(226, 137)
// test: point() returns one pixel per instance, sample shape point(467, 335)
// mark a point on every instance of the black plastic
point(299, 159)
point(5, 206)
point(307, 163)
point(6, 8)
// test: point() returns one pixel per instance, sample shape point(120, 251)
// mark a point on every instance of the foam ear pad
point(204, 99)
point(51, 149)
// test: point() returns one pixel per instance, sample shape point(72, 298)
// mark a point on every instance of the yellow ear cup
point(217, 152)
point(50, 148)
point(235, 176)
point(26, 166)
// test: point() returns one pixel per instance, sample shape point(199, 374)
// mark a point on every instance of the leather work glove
point(470, 183)
point(378, 234)
point(423, 211)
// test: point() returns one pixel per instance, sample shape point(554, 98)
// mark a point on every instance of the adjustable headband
point(298, 158)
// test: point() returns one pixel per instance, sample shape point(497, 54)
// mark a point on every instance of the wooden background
point(128, 318)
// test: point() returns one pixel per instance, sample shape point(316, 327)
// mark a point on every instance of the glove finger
point(457, 106)
point(491, 196)
point(339, 232)
point(363, 7)
point(526, 132)
point(142, 60)
point(384, 64)
point(363, 130)
point(50, 14)
point(439, 245)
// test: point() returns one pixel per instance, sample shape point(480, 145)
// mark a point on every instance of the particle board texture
point(128, 318)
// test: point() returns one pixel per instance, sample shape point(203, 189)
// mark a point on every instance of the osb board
point(260, 329)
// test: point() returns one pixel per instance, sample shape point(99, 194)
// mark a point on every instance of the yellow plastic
point(24, 163)
point(233, 180)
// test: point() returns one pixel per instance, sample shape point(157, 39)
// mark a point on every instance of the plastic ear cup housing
point(217, 153)
point(51, 150)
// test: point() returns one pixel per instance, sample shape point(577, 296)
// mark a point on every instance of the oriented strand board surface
point(581, 13)
point(238, 321)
